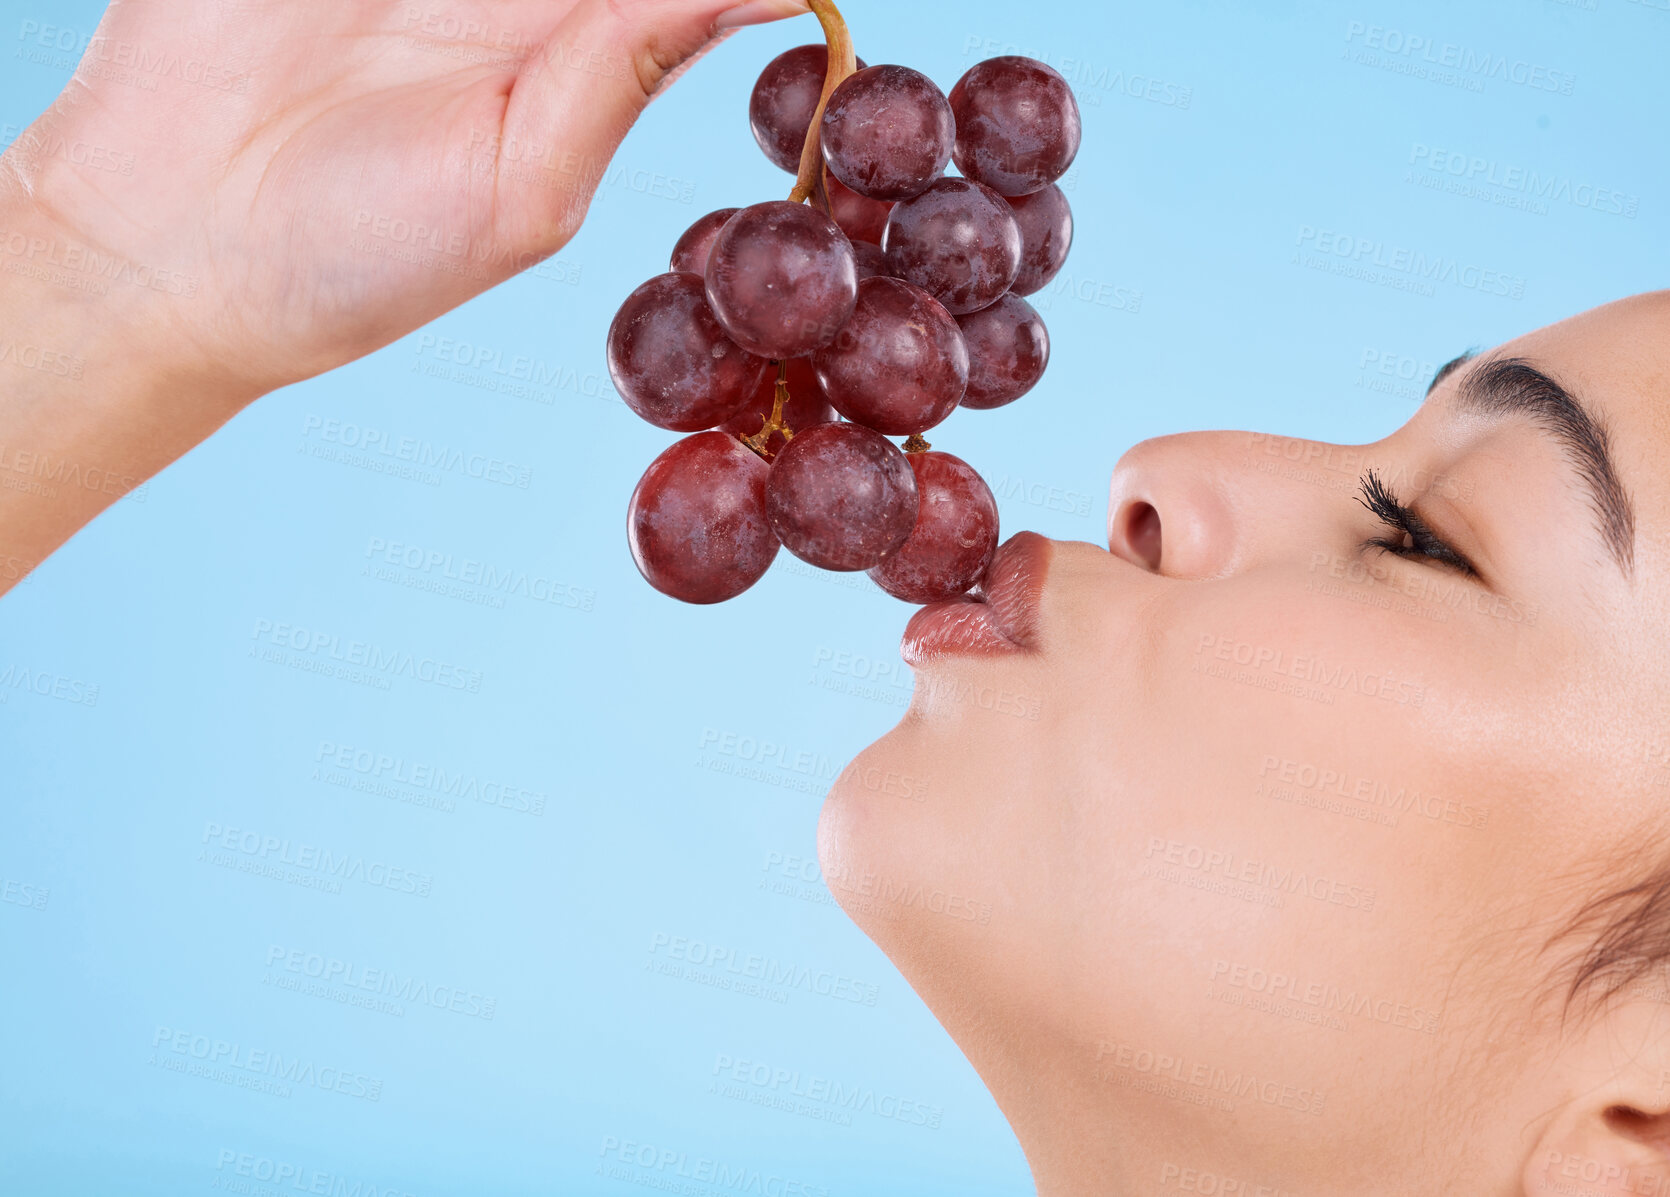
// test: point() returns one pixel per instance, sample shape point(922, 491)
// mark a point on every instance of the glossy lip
point(1002, 616)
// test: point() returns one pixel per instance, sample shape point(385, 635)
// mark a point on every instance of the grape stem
point(915, 444)
point(774, 422)
point(810, 184)
point(809, 181)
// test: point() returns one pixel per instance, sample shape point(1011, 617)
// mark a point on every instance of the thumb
point(580, 92)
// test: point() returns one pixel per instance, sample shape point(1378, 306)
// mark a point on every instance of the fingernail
point(757, 12)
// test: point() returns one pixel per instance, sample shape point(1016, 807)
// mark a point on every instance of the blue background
point(1233, 161)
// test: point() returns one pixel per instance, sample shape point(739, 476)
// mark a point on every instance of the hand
point(291, 147)
point(233, 195)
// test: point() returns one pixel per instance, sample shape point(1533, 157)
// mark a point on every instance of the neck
point(1077, 1133)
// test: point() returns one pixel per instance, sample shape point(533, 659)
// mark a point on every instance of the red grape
point(841, 497)
point(784, 99)
point(870, 260)
point(899, 365)
point(672, 362)
point(696, 523)
point(887, 132)
point(1017, 124)
point(958, 241)
point(861, 218)
point(806, 407)
point(1008, 348)
point(1046, 225)
point(782, 279)
point(895, 303)
point(954, 537)
point(691, 252)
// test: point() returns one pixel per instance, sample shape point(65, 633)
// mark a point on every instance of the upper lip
point(1013, 583)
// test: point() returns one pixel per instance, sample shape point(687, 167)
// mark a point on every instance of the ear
point(1611, 1135)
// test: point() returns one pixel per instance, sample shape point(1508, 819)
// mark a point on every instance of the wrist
point(67, 267)
point(100, 388)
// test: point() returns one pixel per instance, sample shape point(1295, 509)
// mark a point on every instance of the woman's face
point(1239, 868)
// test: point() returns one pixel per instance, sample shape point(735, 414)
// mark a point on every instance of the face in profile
point(1312, 835)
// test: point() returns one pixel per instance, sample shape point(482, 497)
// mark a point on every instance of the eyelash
point(1424, 542)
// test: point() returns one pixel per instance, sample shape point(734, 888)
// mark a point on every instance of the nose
point(1170, 508)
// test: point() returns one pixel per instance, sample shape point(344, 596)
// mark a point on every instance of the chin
point(872, 819)
point(924, 838)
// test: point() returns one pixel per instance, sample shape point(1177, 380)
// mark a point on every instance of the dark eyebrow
point(1450, 367)
point(1512, 386)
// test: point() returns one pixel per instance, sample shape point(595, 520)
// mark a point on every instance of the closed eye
point(1413, 537)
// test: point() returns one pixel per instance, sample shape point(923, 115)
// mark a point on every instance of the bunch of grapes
point(792, 339)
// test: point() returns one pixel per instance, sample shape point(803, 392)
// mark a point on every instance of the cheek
point(1257, 828)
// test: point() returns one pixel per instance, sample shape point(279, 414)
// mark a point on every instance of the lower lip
point(1004, 623)
point(960, 627)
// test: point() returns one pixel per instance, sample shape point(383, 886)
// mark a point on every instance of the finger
point(583, 89)
point(673, 76)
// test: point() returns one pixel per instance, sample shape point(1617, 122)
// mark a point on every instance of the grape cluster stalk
point(792, 338)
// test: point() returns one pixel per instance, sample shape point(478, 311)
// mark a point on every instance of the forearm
point(99, 388)
point(169, 253)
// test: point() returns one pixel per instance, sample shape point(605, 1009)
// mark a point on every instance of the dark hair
point(1628, 937)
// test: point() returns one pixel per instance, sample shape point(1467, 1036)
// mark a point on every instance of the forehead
point(1616, 360)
